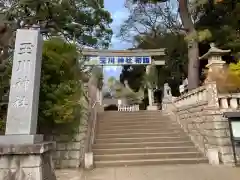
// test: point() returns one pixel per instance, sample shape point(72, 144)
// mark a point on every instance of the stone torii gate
point(127, 57)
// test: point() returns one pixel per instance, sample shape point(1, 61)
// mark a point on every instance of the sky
point(119, 14)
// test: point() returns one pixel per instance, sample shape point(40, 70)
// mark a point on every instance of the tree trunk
point(193, 51)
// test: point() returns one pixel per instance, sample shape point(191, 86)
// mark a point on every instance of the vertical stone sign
point(25, 83)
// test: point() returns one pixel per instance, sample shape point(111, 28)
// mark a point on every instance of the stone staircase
point(142, 138)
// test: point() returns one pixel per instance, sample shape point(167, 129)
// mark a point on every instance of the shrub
point(61, 84)
point(227, 79)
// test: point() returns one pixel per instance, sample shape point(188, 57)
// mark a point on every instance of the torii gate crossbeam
point(134, 52)
point(126, 53)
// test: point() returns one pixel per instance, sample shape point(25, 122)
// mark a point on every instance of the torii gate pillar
point(152, 106)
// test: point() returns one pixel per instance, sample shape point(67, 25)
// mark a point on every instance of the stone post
point(100, 100)
point(23, 152)
point(151, 106)
point(100, 97)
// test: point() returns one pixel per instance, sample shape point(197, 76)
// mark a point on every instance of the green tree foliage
point(134, 75)
point(223, 21)
point(172, 72)
point(111, 81)
point(190, 12)
point(121, 91)
point(203, 21)
point(227, 79)
point(61, 83)
point(84, 21)
point(189, 31)
point(4, 87)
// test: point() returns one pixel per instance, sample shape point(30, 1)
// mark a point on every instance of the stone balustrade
point(122, 107)
point(200, 113)
point(196, 96)
point(229, 101)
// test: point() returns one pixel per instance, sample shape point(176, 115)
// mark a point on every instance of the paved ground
point(176, 172)
point(69, 174)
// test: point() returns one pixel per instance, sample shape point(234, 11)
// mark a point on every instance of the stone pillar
point(24, 91)
point(99, 96)
point(220, 148)
point(151, 106)
point(219, 145)
point(23, 152)
point(221, 133)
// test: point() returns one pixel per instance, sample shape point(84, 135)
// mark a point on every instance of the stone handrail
point(181, 108)
point(92, 120)
point(200, 114)
point(197, 95)
point(227, 101)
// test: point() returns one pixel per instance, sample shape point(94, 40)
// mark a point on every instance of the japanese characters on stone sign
point(22, 83)
point(138, 60)
point(22, 69)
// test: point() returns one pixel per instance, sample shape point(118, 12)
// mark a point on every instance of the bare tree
point(187, 16)
point(149, 20)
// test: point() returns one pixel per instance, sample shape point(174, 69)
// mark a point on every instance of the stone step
point(122, 114)
point(129, 123)
point(144, 150)
point(150, 130)
point(132, 112)
point(134, 119)
point(141, 140)
point(150, 162)
point(142, 145)
point(143, 116)
point(137, 156)
point(141, 126)
point(138, 135)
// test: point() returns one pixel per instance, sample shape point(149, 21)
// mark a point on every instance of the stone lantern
point(215, 62)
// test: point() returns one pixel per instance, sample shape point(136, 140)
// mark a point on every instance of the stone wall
point(72, 146)
point(200, 113)
point(69, 152)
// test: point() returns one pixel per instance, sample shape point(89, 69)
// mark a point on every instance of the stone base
point(213, 156)
point(27, 161)
point(88, 160)
point(152, 108)
point(20, 139)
